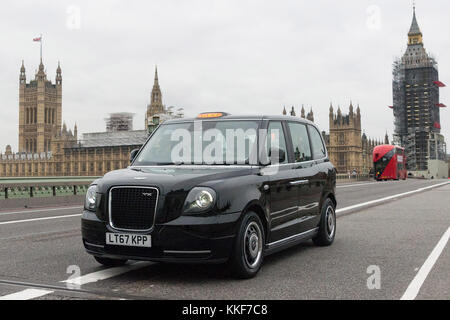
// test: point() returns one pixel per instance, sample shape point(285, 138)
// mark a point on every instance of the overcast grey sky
point(235, 56)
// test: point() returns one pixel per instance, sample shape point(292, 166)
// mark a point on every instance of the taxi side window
point(318, 147)
point(276, 137)
point(300, 142)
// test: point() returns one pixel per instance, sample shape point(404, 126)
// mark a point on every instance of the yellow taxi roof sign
point(208, 115)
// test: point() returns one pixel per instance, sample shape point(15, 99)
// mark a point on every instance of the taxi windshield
point(207, 142)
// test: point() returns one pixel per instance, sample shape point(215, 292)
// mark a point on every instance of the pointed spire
point(303, 112)
point(293, 111)
point(75, 132)
point(310, 115)
point(58, 74)
point(156, 75)
point(284, 111)
point(23, 76)
point(331, 108)
point(156, 105)
point(41, 65)
point(414, 30)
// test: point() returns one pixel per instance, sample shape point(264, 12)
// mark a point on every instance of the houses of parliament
point(48, 148)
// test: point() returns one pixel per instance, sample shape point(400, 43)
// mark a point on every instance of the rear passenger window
point(300, 142)
point(276, 137)
point(318, 148)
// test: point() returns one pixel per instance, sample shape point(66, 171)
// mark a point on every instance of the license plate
point(130, 240)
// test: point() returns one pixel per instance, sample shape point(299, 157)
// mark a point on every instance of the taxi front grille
point(132, 208)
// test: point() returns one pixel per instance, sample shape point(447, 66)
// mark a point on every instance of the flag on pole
point(39, 39)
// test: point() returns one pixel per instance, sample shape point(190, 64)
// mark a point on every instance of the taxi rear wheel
point(248, 251)
point(327, 225)
point(108, 262)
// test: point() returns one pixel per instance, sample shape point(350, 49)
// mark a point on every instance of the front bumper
point(187, 239)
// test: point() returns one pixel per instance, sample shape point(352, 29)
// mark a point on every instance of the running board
point(290, 241)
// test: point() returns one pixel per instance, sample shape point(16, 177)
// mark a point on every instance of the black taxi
point(216, 188)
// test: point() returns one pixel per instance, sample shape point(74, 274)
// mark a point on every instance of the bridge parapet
point(343, 177)
point(63, 188)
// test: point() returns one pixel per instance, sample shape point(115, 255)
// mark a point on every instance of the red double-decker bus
point(389, 162)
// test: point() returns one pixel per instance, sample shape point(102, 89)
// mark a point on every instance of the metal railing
point(341, 177)
point(21, 188)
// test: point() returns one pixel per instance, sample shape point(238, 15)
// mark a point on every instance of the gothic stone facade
point(347, 148)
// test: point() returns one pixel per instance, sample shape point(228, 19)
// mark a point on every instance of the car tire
point(108, 262)
point(248, 250)
point(327, 225)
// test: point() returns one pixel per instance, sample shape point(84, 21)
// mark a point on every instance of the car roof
point(243, 117)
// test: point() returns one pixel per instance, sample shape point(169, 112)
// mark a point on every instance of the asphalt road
point(385, 243)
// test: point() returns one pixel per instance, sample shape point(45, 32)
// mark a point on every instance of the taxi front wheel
point(248, 251)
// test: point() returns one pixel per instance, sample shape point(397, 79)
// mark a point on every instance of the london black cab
point(215, 189)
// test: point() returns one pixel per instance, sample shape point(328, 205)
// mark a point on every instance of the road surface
point(391, 243)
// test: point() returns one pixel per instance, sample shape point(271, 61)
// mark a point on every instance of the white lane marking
point(40, 219)
point(413, 289)
point(357, 185)
point(381, 183)
point(26, 294)
point(40, 210)
point(363, 204)
point(105, 274)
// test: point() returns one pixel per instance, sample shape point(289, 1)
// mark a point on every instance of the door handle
point(298, 182)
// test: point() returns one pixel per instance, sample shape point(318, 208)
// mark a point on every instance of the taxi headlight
point(200, 199)
point(91, 198)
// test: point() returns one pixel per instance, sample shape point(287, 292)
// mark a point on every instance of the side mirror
point(273, 152)
point(133, 154)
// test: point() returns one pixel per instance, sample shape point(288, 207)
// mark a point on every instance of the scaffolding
point(399, 108)
point(120, 121)
point(415, 98)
